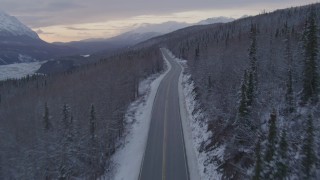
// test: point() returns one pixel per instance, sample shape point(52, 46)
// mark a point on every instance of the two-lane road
point(165, 157)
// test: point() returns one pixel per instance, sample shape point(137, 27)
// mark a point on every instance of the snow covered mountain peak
point(214, 20)
point(170, 26)
point(162, 28)
point(11, 26)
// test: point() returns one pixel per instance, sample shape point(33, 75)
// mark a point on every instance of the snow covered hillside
point(256, 81)
point(11, 26)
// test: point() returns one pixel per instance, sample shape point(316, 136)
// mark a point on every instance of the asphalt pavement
point(165, 157)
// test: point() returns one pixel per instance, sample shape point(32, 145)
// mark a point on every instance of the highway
point(164, 156)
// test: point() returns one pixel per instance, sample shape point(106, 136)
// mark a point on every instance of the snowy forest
point(66, 125)
point(257, 82)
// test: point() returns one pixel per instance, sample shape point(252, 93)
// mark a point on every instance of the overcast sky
point(66, 20)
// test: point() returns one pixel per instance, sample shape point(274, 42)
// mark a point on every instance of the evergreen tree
point(66, 145)
point(289, 94)
point(47, 142)
point(282, 165)
point(243, 107)
point(271, 147)
point(46, 117)
point(253, 54)
point(197, 52)
point(94, 150)
point(252, 72)
point(250, 89)
point(309, 156)
point(289, 91)
point(258, 164)
point(65, 116)
point(272, 137)
point(310, 83)
point(92, 121)
point(71, 130)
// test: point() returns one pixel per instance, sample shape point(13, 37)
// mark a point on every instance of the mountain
point(214, 20)
point(140, 33)
point(109, 45)
point(162, 28)
point(18, 43)
point(11, 26)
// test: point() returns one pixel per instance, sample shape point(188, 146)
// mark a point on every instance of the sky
point(72, 20)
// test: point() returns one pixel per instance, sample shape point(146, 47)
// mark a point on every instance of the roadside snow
point(14, 71)
point(194, 124)
point(129, 156)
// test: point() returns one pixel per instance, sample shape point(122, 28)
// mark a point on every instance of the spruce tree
point(271, 147)
point(47, 140)
point(258, 163)
point(250, 89)
point(92, 121)
point(309, 156)
point(282, 166)
point(289, 94)
point(95, 157)
point(310, 83)
point(197, 52)
point(272, 137)
point(66, 145)
point(289, 89)
point(243, 107)
point(46, 117)
point(65, 116)
point(253, 54)
point(252, 72)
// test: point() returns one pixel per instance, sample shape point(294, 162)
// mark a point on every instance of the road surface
point(165, 157)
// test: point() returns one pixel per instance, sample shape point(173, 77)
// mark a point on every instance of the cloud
point(107, 18)
point(83, 29)
point(40, 13)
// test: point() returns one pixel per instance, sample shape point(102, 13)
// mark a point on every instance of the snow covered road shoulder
point(128, 158)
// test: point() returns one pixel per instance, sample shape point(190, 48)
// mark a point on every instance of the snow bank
point(195, 130)
point(129, 157)
point(15, 71)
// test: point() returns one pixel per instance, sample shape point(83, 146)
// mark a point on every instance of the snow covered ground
point(195, 130)
point(128, 157)
point(19, 70)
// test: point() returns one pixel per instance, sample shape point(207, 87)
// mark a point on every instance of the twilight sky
point(69, 20)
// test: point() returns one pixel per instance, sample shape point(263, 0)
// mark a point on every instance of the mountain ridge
point(139, 34)
point(11, 26)
point(18, 43)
